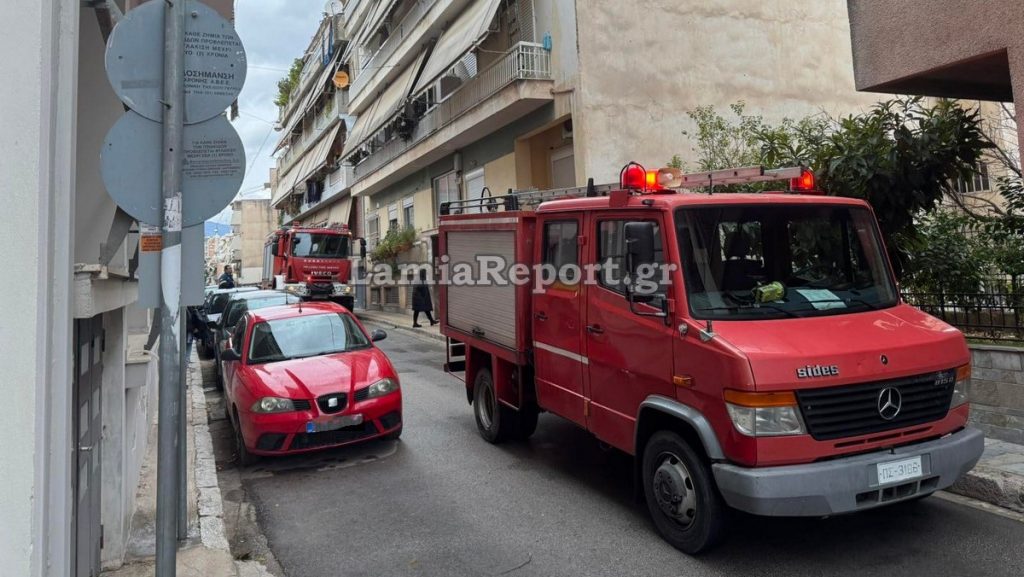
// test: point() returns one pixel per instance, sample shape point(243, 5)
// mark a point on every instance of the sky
point(274, 32)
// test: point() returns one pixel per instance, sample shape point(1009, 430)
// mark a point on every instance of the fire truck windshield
point(777, 261)
point(321, 245)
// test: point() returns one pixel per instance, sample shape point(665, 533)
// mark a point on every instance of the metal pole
point(183, 434)
point(170, 282)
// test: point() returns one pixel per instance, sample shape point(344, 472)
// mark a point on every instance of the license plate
point(334, 423)
point(896, 471)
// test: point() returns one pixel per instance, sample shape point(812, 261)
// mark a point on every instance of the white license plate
point(896, 471)
point(334, 423)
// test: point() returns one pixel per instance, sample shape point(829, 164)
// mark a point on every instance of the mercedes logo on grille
point(889, 403)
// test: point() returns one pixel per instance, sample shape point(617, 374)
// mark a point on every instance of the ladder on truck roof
point(529, 198)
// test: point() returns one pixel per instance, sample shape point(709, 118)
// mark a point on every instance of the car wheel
point(492, 418)
point(245, 458)
point(681, 496)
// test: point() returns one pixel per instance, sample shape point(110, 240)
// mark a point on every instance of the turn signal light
point(774, 399)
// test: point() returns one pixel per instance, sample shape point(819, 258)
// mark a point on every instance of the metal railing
point(996, 314)
point(321, 122)
point(373, 66)
point(524, 61)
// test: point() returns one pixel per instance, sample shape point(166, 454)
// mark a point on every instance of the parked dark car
point(216, 300)
point(237, 305)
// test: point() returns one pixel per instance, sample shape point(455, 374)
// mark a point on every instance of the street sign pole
point(170, 409)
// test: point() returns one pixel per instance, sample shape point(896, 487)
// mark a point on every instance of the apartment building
point(252, 221)
point(79, 382)
point(454, 99)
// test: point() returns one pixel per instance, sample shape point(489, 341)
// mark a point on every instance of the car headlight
point(381, 388)
point(764, 414)
point(963, 382)
point(273, 405)
point(346, 289)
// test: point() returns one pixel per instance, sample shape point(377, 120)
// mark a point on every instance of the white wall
point(645, 63)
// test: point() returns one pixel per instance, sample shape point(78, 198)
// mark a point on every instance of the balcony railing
point(525, 61)
point(370, 66)
point(321, 122)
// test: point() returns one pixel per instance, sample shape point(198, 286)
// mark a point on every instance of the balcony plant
point(394, 243)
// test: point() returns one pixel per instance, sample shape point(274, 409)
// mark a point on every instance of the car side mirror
point(378, 335)
point(274, 249)
point(640, 259)
point(230, 355)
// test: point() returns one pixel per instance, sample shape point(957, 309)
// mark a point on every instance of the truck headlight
point(381, 388)
point(342, 289)
point(963, 381)
point(764, 414)
point(273, 405)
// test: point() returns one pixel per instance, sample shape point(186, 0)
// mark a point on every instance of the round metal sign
point(214, 167)
point(215, 65)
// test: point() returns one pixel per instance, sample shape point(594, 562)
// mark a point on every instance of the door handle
point(85, 449)
point(541, 316)
point(595, 329)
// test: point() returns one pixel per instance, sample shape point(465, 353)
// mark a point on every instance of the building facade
point(252, 221)
point(79, 375)
point(446, 100)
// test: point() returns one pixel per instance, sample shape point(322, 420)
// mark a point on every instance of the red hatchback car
point(305, 377)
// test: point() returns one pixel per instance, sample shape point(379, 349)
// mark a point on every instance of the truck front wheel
point(681, 495)
point(492, 419)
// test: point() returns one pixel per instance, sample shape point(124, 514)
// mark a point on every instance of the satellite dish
point(341, 79)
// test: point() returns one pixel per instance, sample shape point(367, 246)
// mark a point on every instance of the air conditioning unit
point(567, 129)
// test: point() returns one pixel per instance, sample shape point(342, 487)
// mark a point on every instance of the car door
point(557, 345)
point(230, 368)
point(629, 355)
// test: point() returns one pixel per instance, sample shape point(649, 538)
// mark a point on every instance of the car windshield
point(777, 261)
point(320, 245)
point(305, 336)
point(240, 307)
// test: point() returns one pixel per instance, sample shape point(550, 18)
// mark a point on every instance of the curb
point(371, 317)
point(210, 506)
point(992, 486)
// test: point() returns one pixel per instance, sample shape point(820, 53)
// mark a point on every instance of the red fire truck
point(312, 262)
point(751, 351)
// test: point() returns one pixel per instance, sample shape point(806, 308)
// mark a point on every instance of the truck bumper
point(850, 483)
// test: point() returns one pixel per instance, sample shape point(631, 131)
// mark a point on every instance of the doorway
point(87, 425)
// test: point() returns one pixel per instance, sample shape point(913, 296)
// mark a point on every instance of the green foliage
point(947, 258)
point(286, 85)
point(394, 243)
point(901, 156)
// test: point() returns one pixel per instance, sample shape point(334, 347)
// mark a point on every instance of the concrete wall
point(997, 392)
point(644, 64)
point(256, 221)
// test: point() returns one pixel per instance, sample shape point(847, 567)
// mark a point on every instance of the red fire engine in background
point(773, 369)
point(312, 262)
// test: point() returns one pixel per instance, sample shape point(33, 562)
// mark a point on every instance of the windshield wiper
point(786, 312)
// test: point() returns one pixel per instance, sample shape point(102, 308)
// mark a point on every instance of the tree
point(287, 85)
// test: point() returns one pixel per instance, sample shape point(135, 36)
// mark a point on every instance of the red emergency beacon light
point(804, 183)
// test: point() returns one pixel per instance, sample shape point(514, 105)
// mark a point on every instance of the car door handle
point(595, 329)
point(541, 316)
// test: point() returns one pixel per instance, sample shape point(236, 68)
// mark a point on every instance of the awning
point(463, 34)
point(384, 107)
point(315, 90)
point(315, 158)
point(373, 21)
point(340, 211)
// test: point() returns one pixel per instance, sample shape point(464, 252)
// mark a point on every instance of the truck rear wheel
point(494, 421)
point(680, 494)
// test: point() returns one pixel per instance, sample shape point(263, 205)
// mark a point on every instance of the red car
point(305, 377)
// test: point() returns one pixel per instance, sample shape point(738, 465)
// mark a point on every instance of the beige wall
point(500, 174)
point(257, 220)
point(783, 58)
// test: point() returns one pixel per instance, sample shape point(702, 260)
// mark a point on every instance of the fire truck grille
point(852, 410)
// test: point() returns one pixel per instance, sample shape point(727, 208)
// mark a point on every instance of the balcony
point(526, 61)
point(320, 123)
point(404, 29)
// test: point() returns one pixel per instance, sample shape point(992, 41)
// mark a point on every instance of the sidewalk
point(402, 322)
point(998, 478)
point(205, 553)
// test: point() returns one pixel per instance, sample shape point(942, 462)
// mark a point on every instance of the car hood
point(312, 377)
point(910, 341)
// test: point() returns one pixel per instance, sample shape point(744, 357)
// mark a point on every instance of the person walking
point(226, 280)
point(421, 302)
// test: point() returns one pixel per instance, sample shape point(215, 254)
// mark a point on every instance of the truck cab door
point(557, 332)
point(629, 355)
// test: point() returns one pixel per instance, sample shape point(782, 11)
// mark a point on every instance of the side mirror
point(230, 355)
point(640, 252)
point(274, 249)
point(362, 248)
point(378, 335)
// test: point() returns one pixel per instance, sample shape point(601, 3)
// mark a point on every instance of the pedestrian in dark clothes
point(421, 302)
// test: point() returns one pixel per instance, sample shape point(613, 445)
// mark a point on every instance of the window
point(446, 189)
point(305, 336)
point(238, 336)
point(560, 247)
point(372, 231)
point(475, 189)
point(393, 216)
point(978, 183)
point(611, 253)
point(407, 213)
point(320, 245)
point(563, 168)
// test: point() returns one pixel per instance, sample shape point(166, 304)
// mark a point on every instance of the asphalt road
point(443, 502)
